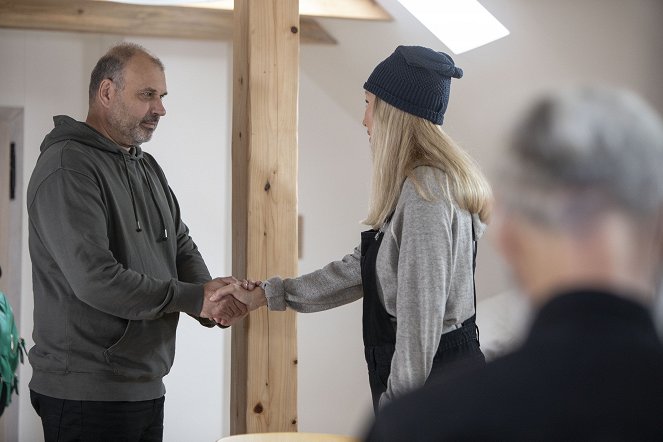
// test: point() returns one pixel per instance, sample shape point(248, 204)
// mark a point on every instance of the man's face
point(136, 108)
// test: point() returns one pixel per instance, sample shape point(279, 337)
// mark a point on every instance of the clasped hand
point(227, 300)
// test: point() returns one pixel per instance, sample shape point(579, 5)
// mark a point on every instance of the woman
point(414, 267)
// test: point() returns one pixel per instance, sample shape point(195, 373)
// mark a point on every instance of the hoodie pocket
point(145, 350)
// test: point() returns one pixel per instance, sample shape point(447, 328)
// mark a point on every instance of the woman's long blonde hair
point(401, 142)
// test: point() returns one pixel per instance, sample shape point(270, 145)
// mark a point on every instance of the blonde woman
point(414, 267)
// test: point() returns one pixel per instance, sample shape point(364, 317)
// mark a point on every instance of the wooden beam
point(128, 19)
point(349, 9)
point(264, 165)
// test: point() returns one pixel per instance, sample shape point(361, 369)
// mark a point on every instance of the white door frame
point(11, 214)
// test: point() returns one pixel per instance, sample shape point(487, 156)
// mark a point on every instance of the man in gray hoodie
point(113, 263)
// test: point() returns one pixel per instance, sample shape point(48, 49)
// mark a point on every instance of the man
point(113, 263)
point(581, 227)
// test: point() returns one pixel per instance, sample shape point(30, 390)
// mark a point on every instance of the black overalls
point(458, 349)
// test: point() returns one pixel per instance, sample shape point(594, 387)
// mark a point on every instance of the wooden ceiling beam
point(129, 19)
point(348, 9)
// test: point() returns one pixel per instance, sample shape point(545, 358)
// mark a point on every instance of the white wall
point(552, 44)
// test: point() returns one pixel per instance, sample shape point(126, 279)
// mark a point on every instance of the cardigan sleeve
point(335, 284)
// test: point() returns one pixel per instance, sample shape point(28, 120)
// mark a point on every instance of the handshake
point(227, 300)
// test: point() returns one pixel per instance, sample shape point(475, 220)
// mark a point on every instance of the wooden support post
point(264, 158)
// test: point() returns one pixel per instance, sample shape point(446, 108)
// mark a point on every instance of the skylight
point(162, 2)
point(461, 25)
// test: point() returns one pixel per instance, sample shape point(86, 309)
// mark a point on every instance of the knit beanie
point(415, 80)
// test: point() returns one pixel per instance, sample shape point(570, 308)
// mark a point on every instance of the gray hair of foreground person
point(583, 152)
point(584, 168)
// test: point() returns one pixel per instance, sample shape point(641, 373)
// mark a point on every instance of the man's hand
point(219, 304)
point(252, 298)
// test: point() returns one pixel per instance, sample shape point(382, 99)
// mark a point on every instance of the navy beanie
point(415, 80)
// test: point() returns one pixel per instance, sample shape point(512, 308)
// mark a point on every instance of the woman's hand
point(246, 292)
point(248, 284)
point(253, 299)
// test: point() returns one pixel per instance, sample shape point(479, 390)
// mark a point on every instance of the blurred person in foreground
point(580, 223)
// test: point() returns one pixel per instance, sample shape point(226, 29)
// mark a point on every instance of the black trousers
point(458, 351)
point(98, 421)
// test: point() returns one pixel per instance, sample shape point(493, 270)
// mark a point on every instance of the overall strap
point(475, 247)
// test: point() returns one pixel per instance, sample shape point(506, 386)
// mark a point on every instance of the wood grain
point(129, 19)
point(349, 9)
point(264, 155)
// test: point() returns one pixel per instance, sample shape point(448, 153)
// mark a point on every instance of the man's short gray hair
point(580, 152)
point(112, 65)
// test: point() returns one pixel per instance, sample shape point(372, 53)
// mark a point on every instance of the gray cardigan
point(424, 277)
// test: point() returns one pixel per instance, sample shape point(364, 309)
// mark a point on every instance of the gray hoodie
point(112, 265)
point(424, 278)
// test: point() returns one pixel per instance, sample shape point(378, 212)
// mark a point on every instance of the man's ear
point(658, 237)
point(657, 243)
point(106, 92)
point(659, 228)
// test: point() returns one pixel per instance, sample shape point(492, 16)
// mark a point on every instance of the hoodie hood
point(66, 128)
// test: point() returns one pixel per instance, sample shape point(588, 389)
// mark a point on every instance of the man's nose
point(159, 108)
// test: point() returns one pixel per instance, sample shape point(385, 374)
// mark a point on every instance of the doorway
point(11, 214)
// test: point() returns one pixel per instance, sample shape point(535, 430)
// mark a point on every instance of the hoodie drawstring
point(164, 230)
point(131, 191)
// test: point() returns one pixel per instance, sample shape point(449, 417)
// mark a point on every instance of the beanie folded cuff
point(399, 103)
